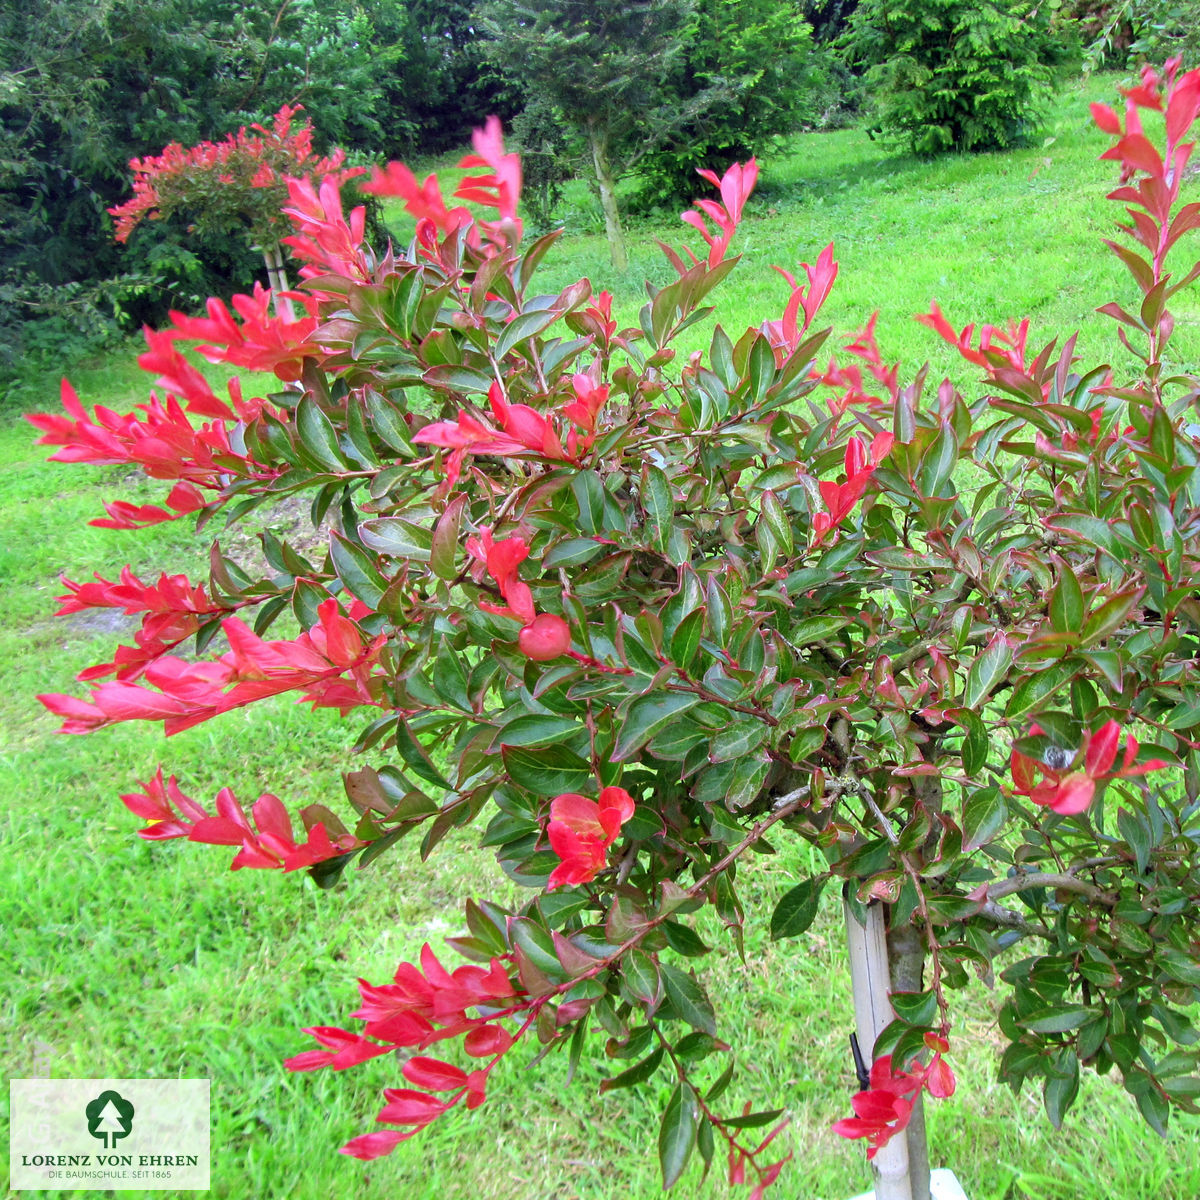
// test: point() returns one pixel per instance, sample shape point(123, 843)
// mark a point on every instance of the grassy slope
point(128, 958)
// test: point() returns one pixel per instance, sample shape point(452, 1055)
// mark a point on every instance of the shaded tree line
point(87, 85)
point(597, 89)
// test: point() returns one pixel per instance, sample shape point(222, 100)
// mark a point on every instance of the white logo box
point(109, 1134)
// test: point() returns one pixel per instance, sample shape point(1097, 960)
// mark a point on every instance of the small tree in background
point(762, 53)
point(605, 66)
point(645, 614)
point(957, 74)
point(236, 186)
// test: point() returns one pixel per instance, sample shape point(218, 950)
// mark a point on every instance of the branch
point(999, 915)
point(1063, 883)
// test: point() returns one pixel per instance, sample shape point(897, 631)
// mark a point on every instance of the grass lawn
point(127, 958)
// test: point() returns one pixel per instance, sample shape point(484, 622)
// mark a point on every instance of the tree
point(659, 611)
point(443, 87)
point(236, 186)
point(758, 55)
point(605, 66)
point(955, 74)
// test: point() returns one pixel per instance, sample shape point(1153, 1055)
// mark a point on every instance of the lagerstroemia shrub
point(657, 610)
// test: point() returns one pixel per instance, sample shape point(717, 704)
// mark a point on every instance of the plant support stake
point(870, 982)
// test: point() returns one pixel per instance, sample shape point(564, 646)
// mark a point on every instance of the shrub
point(957, 75)
point(761, 53)
point(639, 614)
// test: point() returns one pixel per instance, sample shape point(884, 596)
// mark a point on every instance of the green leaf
point(356, 569)
point(449, 678)
point(752, 1120)
point(1056, 1020)
point(1066, 602)
point(683, 939)
point(988, 669)
point(526, 325)
point(640, 973)
point(548, 772)
point(677, 1134)
point(938, 462)
point(975, 743)
point(1091, 530)
point(1031, 689)
point(1061, 1087)
point(638, 1073)
point(450, 377)
point(387, 420)
point(685, 641)
point(762, 368)
point(1136, 833)
point(718, 609)
point(415, 757)
point(589, 495)
point(985, 815)
point(537, 729)
point(444, 546)
point(797, 908)
point(317, 436)
point(915, 1008)
point(723, 1081)
point(1154, 1108)
point(646, 716)
point(397, 538)
point(774, 515)
point(325, 874)
point(737, 740)
point(688, 999)
point(537, 945)
point(1109, 615)
point(705, 1142)
point(816, 629)
point(572, 552)
point(659, 505)
point(575, 1051)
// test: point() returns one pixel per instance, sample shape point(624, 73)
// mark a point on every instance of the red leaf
point(1106, 118)
point(433, 1074)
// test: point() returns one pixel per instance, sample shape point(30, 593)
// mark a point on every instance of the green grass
point(129, 958)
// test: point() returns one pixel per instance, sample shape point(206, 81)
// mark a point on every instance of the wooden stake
point(870, 980)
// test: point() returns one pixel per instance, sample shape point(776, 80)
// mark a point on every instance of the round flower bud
point(544, 638)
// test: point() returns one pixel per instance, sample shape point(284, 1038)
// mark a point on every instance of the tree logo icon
point(109, 1117)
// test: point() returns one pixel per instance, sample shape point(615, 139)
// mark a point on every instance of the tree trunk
point(598, 140)
point(277, 276)
point(906, 968)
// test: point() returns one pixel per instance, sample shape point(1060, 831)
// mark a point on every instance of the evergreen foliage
point(957, 74)
point(758, 55)
point(606, 67)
